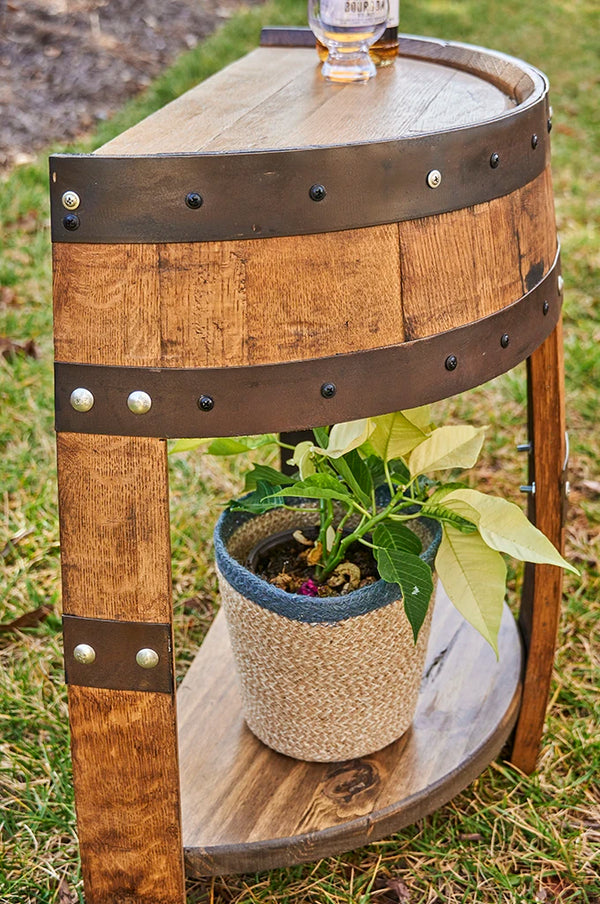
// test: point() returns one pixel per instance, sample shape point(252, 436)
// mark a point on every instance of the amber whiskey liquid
point(385, 50)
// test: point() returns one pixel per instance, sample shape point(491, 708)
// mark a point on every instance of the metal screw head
point(328, 390)
point(560, 283)
point(545, 308)
point(451, 362)
point(71, 200)
point(139, 402)
point(193, 200)
point(528, 488)
point(81, 399)
point(505, 339)
point(495, 160)
point(524, 447)
point(434, 178)
point(317, 192)
point(147, 658)
point(206, 403)
point(549, 125)
point(84, 654)
point(71, 222)
point(534, 141)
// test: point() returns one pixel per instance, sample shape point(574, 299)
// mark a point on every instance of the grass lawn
point(507, 838)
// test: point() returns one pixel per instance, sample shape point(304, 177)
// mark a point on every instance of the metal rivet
point(524, 447)
point(71, 222)
point(495, 160)
point(505, 340)
point(534, 141)
point(206, 403)
point(545, 308)
point(529, 488)
point(71, 200)
point(328, 390)
point(84, 654)
point(549, 125)
point(81, 399)
point(434, 178)
point(139, 402)
point(193, 200)
point(317, 192)
point(451, 362)
point(147, 658)
point(560, 283)
point(567, 488)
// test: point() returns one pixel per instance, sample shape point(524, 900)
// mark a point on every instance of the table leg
point(116, 570)
point(542, 590)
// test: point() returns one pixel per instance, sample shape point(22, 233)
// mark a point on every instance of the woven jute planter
point(321, 679)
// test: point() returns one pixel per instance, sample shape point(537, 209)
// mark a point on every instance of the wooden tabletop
point(276, 98)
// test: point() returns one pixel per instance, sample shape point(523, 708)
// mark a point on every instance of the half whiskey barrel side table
point(269, 253)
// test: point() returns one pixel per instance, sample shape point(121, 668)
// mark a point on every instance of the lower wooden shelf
point(247, 808)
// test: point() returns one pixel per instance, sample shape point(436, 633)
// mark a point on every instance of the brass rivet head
point(71, 200)
point(434, 178)
point(139, 402)
point(147, 658)
point(81, 399)
point(84, 654)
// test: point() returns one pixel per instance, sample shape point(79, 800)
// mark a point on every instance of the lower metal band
point(295, 395)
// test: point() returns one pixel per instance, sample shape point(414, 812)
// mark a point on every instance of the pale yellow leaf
point(474, 577)
point(346, 437)
point(302, 458)
point(503, 526)
point(447, 447)
point(395, 435)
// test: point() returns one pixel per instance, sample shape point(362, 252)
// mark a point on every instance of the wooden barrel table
point(271, 252)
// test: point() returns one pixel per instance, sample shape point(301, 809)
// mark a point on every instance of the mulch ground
point(65, 64)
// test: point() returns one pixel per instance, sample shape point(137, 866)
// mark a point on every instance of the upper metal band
point(232, 401)
point(268, 193)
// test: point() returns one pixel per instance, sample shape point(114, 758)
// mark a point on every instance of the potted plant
point(329, 626)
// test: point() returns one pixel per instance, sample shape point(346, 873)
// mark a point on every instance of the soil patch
point(65, 64)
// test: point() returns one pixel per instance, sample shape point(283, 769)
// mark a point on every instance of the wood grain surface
point(247, 808)
point(276, 98)
point(542, 592)
point(284, 299)
point(115, 552)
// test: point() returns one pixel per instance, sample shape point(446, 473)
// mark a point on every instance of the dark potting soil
point(286, 566)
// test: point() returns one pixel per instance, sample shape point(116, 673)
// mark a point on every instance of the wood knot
point(348, 780)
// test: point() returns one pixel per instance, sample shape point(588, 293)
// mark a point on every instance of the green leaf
point(185, 445)
point(393, 535)
point(356, 474)
point(267, 475)
point(345, 437)
point(263, 499)
point(447, 447)
point(474, 577)
point(395, 435)
point(320, 486)
point(399, 471)
point(321, 435)
point(415, 580)
point(504, 527)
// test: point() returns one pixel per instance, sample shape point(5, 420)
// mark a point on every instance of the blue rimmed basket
point(321, 679)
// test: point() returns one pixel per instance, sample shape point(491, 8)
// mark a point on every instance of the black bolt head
point(549, 125)
point(534, 141)
point(193, 200)
point(495, 160)
point(317, 192)
point(451, 362)
point(205, 403)
point(328, 390)
point(545, 308)
point(71, 222)
point(504, 340)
